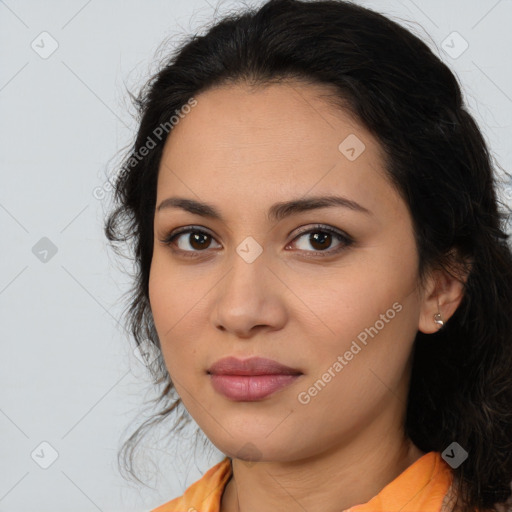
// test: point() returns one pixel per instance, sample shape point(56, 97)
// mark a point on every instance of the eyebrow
point(276, 212)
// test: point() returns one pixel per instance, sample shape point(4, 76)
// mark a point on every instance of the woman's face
point(273, 283)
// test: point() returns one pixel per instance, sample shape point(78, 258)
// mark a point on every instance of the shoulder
point(205, 494)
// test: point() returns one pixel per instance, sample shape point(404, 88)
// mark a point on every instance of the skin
point(242, 150)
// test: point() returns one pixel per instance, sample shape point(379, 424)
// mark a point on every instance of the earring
point(438, 319)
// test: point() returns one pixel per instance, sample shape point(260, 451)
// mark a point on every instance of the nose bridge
point(246, 296)
point(246, 277)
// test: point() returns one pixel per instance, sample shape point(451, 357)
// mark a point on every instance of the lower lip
point(249, 388)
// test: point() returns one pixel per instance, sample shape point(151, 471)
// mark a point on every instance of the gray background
point(69, 376)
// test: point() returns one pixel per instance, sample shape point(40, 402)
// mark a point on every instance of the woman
point(321, 259)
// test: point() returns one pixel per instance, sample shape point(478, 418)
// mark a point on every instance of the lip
point(250, 366)
point(250, 379)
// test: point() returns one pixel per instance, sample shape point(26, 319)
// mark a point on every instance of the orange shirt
point(422, 487)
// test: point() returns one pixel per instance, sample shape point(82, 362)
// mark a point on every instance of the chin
point(250, 451)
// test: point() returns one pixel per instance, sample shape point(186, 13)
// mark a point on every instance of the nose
point(249, 298)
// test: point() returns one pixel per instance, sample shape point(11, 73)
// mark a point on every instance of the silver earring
point(438, 319)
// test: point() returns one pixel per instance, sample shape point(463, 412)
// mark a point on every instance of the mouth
point(250, 379)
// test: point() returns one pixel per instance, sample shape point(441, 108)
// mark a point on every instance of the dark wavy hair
point(435, 157)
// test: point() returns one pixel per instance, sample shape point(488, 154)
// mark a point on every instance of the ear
point(442, 294)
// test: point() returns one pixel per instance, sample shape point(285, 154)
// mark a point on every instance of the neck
point(332, 481)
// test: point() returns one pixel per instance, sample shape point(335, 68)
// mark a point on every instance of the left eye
point(320, 238)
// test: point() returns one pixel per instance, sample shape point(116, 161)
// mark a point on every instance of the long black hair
point(436, 158)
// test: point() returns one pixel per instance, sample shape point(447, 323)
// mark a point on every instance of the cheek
point(372, 298)
point(171, 294)
point(165, 306)
point(177, 306)
point(161, 300)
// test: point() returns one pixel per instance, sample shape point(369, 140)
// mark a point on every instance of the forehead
point(285, 139)
point(273, 119)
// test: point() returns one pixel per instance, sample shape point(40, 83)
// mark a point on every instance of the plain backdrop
point(71, 384)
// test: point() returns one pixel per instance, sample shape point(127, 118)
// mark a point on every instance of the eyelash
point(319, 228)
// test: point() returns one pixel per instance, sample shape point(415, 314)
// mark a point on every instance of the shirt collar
point(422, 487)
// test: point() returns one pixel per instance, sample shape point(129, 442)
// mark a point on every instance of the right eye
point(197, 240)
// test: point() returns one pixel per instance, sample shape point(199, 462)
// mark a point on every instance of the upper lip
point(250, 366)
